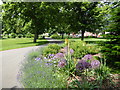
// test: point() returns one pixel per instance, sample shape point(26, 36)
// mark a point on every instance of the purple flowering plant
point(87, 62)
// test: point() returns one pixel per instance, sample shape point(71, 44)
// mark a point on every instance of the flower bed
point(64, 70)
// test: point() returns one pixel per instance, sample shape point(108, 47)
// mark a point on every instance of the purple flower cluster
point(38, 59)
point(62, 63)
point(84, 64)
point(95, 64)
point(59, 55)
point(48, 64)
point(87, 57)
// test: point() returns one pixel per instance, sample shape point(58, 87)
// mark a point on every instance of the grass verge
point(7, 44)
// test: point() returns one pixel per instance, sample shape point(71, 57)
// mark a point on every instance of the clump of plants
point(51, 49)
point(62, 69)
point(55, 36)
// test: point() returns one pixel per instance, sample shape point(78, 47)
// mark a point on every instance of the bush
point(12, 35)
point(20, 35)
point(56, 36)
point(111, 49)
point(82, 49)
point(4, 34)
point(29, 35)
point(51, 49)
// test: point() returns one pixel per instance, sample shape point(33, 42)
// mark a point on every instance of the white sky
point(1, 2)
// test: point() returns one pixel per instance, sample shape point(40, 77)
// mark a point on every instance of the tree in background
point(85, 17)
point(112, 48)
point(40, 17)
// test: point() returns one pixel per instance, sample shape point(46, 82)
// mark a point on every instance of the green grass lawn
point(13, 43)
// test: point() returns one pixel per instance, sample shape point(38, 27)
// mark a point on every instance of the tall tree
point(85, 17)
point(111, 48)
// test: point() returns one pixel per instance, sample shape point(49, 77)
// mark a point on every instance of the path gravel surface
point(11, 62)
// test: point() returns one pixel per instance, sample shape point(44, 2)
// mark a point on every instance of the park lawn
point(13, 43)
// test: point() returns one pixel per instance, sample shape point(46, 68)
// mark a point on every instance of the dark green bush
point(7, 36)
point(29, 35)
point(20, 35)
point(111, 49)
point(56, 36)
point(51, 49)
point(13, 35)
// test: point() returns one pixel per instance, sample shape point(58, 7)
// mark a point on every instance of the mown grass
point(13, 43)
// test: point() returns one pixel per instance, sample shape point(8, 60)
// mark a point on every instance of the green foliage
point(55, 36)
point(51, 49)
point(13, 35)
point(111, 49)
point(38, 75)
point(81, 49)
point(101, 75)
point(29, 35)
point(19, 35)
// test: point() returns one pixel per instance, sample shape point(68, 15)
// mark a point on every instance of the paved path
point(10, 65)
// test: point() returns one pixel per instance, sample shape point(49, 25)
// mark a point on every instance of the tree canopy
point(62, 17)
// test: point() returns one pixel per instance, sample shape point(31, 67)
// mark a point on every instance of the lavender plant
point(38, 72)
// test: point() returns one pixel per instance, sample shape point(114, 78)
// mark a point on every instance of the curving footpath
point(10, 64)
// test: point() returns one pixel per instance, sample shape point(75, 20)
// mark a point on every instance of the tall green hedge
point(111, 48)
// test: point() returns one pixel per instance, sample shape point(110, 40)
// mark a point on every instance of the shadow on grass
point(95, 42)
point(37, 43)
point(2, 38)
point(43, 42)
point(57, 42)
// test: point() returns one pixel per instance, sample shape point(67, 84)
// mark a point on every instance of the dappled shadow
point(95, 42)
point(2, 38)
point(37, 43)
point(55, 41)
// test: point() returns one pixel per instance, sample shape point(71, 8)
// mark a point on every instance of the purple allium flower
point(62, 63)
point(51, 55)
point(37, 59)
point(38, 72)
point(82, 65)
point(95, 64)
point(71, 51)
point(87, 57)
point(59, 55)
point(48, 64)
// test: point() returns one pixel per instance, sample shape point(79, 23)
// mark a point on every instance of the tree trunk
point(82, 35)
point(68, 35)
point(62, 35)
point(35, 37)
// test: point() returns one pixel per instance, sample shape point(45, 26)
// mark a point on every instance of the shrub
point(7, 36)
point(29, 35)
point(82, 49)
point(111, 49)
point(12, 35)
point(56, 36)
point(51, 49)
point(20, 35)
point(4, 34)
